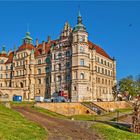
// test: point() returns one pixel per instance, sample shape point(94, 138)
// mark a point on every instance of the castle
point(71, 63)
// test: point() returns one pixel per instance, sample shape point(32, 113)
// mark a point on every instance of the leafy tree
point(128, 84)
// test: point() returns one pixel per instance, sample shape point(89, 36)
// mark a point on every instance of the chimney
point(49, 39)
point(36, 42)
point(43, 47)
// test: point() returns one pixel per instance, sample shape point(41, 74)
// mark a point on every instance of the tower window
point(81, 49)
point(82, 62)
point(82, 76)
point(80, 39)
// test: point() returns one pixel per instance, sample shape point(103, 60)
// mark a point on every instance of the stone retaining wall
point(113, 105)
point(67, 109)
point(11, 92)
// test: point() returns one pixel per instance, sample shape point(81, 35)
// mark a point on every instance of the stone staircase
point(99, 110)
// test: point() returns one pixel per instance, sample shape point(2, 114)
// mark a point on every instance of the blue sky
point(115, 26)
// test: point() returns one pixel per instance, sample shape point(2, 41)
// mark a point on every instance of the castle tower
point(80, 62)
point(27, 38)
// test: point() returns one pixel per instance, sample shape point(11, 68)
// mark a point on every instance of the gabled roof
point(10, 58)
point(98, 50)
point(39, 48)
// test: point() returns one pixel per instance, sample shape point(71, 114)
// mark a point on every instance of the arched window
point(82, 76)
point(39, 61)
point(21, 84)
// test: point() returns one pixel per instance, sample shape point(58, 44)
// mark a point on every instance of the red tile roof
point(3, 55)
point(10, 58)
point(39, 48)
point(98, 50)
point(25, 46)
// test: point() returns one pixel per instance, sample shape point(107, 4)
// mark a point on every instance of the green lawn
point(112, 133)
point(83, 117)
point(14, 127)
point(23, 103)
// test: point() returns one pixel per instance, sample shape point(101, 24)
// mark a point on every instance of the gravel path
point(58, 129)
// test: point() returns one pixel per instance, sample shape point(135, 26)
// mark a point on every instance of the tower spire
point(79, 18)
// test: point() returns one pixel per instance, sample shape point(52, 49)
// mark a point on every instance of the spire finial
point(79, 14)
point(79, 18)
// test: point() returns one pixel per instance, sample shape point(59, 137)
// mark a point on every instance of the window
point(58, 78)
point(108, 72)
point(1, 68)
point(20, 72)
point(1, 76)
point(105, 62)
point(97, 59)
point(102, 71)
point(111, 73)
point(59, 65)
point(17, 73)
point(6, 75)
point(47, 69)
point(102, 81)
point(6, 67)
point(105, 71)
point(98, 80)
point(106, 81)
point(81, 49)
point(17, 63)
point(68, 64)
point(67, 53)
point(80, 38)
point(99, 69)
point(67, 77)
point(82, 76)
point(59, 55)
point(101, 61)
point(39, 81)
point(39, 61)
point(82, 62)
point(39, 71)
point(108, 64)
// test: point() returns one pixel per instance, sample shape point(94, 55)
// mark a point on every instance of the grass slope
point(14, 127)
point(111, 133)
